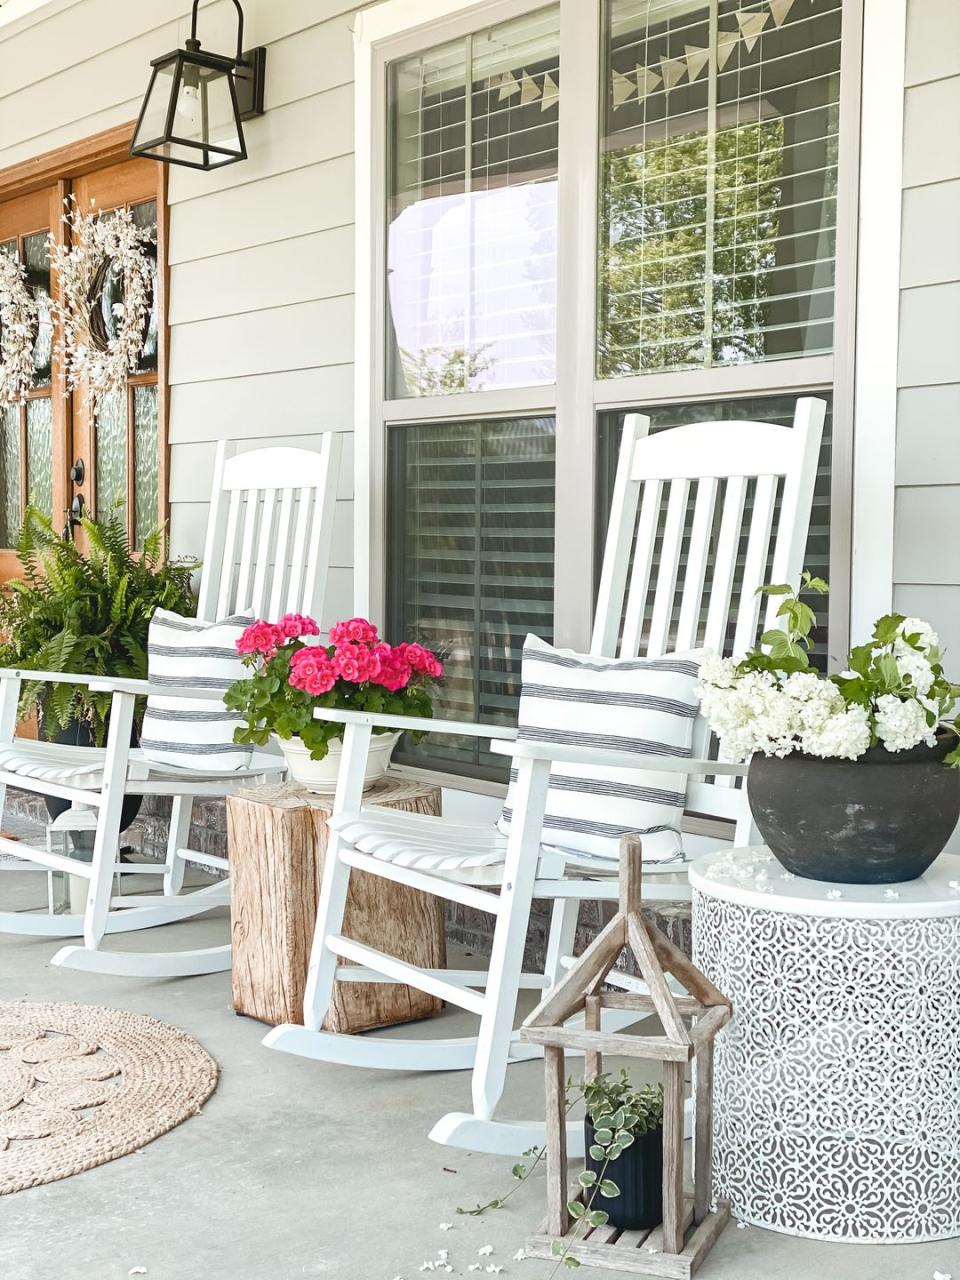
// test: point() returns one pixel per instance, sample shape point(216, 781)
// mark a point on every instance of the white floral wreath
point(92, 359)
point(18, 330)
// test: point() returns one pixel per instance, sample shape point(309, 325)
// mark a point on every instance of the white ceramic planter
point(321, 775)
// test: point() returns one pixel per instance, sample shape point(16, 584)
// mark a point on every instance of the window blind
point(470, 565)
point(472, 211)
point(719, 183)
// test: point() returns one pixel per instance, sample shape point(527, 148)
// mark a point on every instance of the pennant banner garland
point(670, 71)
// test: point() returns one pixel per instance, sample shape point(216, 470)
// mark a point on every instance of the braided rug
point(80, 1086)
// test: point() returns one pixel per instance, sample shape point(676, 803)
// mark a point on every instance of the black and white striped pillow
point(645, 706)
point(185, 653)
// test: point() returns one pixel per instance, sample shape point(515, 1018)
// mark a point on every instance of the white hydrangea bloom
point(719, 672)
point(927, 637)
point(754, 715)
point(915, 665)
point(902, 725)
point(843, 735)
point(816, 699)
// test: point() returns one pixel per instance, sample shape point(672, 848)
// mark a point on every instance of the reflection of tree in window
point(654, 261)
point(719, 184)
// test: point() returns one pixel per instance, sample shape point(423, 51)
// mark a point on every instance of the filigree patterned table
point(837, 1085)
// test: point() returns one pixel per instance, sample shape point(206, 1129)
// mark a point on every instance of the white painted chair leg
point(107, 840)
point(562, 939)
point(510, 933)
point(322, 969)
point(178, 838)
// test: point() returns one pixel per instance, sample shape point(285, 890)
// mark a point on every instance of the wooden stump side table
point(837, 1085)
point(277, 839)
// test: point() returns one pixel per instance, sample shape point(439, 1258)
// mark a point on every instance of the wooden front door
point(34, 435)
point(118, 448)
point(55, 452)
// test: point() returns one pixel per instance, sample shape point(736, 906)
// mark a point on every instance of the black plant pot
point(638, 1172)
point(77, 734)
point(881, 819)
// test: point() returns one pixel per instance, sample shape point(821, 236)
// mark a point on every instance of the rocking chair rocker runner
point(267, 550)
point(701, 490)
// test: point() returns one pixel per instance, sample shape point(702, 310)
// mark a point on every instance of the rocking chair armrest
point(603, 758)
point(100, 684)
point(415, 724)
point(109, 684)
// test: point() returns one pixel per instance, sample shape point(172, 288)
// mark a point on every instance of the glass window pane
point(471, 565)
point(40, 454)
point(778, 409)
point(111, 429)
point(111, 294)
point(719, 183)
point(9, 474)
point(145, 217)
point(146, 462)
point(472, 211)
point(36, 256)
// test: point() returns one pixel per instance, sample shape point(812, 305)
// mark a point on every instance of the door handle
point(74, 514)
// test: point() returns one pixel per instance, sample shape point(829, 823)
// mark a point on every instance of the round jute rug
point(80, 1086)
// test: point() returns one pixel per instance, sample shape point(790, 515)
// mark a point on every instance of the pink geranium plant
point(293, 674)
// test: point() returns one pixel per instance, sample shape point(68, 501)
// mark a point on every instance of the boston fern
point(86, 613)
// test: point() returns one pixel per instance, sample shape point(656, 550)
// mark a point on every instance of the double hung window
point(577, 210)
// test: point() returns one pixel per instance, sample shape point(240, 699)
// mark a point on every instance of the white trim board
point(878, 313)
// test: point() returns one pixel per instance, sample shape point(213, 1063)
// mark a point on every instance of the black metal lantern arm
point(239, 60)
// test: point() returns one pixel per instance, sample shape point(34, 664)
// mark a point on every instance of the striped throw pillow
point(185, 653)
point(645, 706)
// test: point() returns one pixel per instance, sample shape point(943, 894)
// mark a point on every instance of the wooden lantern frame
point(690, 1225)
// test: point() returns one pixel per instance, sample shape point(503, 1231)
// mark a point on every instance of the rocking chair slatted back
point(270, 531)
point(703, 515)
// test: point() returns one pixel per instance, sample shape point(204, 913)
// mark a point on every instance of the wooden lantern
point(690, 1227)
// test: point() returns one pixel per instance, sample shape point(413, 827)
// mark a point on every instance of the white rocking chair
point(267, 550)
point(752, 480)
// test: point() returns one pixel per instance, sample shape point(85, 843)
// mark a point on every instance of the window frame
point(400, 28)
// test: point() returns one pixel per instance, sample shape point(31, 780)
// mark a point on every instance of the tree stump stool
point(277, 841)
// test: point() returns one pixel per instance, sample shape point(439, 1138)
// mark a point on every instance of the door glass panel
point(471, 517)
point(111, 296)
point(111, 429)
point(36, 255)
point(719, 183)
point(146, 459)
point(472, 211)
point(145, 216)
point(40, 454)
point(9, 474)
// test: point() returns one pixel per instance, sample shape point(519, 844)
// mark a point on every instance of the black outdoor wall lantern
point(196, 101)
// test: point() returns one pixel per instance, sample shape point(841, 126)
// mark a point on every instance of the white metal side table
point(837, 1085)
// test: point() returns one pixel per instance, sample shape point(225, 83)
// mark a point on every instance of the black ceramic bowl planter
point(881, 819)
point(638, 1172)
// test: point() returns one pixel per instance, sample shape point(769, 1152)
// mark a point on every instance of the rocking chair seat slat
point(83, 767)
point(467, 853)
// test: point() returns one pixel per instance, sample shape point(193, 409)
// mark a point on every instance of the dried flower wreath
point(94, 359)
point(18, 330)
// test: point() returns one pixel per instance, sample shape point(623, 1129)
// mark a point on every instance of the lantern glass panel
point(153, 124)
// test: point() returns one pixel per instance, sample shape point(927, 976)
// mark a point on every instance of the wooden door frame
point(57, 169)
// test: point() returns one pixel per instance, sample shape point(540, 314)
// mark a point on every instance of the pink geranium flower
point(312, 671)
point(260, 637)
point(356, 663)
point(295, 625)
point(354, 630)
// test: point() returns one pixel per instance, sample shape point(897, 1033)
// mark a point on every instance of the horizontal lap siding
point(261, 253)
point(927, 559)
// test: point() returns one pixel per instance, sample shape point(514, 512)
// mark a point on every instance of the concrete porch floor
point(298, 1169)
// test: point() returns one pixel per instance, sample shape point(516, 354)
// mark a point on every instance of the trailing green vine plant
point(620, 1113)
